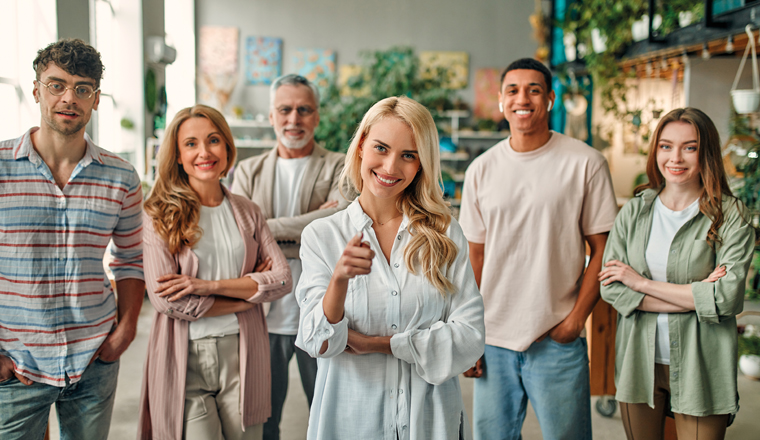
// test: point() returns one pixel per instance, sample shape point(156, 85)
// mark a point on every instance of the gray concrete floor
point(296, 413)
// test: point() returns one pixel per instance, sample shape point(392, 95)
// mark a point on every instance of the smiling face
point(294, 116)
point(202, 152)
point(678, 154)
point(525, 97)
point(65, 114)
point(389, 159)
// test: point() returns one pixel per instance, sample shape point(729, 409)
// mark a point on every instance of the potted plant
point(749, 348)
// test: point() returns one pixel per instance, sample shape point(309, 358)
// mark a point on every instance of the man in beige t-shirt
point(529, 206)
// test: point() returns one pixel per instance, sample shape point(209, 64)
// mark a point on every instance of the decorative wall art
point(345, 73)
point(263, 60)
point(455, 64)
point(487, 82)
point(217, 64)
point(316, 65)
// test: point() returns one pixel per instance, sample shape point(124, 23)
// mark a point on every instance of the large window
point(25, 27)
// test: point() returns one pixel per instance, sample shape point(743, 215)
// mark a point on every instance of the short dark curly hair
point(72, 55)
point(529, 64)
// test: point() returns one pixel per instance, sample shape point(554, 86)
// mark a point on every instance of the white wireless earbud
point(501, 107)
point(551, 104)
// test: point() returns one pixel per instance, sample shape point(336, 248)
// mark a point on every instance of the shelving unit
point(469, 144)
point(251, 133)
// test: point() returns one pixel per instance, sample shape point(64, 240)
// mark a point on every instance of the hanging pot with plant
point(747, 100)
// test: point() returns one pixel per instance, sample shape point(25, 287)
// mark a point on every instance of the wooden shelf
point(255, 143)
point(458, 156)
point(248, 123)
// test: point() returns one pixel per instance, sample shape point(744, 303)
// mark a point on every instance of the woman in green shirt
point(676, 263)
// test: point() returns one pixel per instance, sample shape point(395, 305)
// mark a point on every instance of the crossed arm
point(660, 297)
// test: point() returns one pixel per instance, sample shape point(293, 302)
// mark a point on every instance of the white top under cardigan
point(415, 393)
point(221, 254)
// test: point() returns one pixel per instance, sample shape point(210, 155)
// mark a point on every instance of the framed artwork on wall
point(263, 63)
point(454, 64)
point(217, 64)
point(316, 65)
point(487, 82)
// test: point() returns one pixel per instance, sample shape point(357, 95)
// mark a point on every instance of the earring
point(501, 107)
point(551, 104)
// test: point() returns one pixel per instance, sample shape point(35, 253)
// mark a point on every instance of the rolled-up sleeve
point(725, 298)
point(313, 328)
point(624, 299)
point(158, 262)
point(278, 281)
point(127, 249)
point(451, 346)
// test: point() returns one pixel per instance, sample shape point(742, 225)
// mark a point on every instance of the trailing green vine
point(613, 20)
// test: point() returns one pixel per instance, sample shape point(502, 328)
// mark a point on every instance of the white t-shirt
point(532, 210)
point(220, 253)
point(665, 226)
point(283, 315)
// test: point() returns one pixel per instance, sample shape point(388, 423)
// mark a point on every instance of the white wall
point(710, 88)
point(493, 32)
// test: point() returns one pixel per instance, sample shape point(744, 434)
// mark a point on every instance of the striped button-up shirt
point(56, 303)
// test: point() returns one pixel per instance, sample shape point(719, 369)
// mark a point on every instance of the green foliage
point(749, 345)
point(393, 72)
point(614, 20)
point(749, 191)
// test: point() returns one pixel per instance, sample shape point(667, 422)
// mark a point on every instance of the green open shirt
point(703, 342)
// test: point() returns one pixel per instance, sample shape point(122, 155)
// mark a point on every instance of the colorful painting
point(316, 65)
point(455, 65)
point(487, 83)
point(345, 73)
point(218, 50)
point(217, 64)
point(263, 63)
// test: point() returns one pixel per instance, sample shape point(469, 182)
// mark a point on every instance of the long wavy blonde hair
point(173, 203)
point(430, 250)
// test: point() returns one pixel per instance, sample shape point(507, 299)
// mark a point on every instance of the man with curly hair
point(62, 200)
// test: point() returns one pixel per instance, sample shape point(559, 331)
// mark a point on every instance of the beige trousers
point(212, 392)
point(644, 423)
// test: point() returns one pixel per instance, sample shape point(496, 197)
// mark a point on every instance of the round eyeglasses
point(82, 91)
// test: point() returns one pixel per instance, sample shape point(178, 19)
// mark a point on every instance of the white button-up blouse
point(415, 393)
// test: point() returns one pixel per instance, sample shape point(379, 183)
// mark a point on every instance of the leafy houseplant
point(392, 72)
point(612, 21)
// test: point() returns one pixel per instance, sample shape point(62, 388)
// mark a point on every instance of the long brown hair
point(422, 201)
point(173, 203)
point(712, 175)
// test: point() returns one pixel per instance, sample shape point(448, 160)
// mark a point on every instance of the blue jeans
point(553, 376)
point(281, 350)
point(84, 408)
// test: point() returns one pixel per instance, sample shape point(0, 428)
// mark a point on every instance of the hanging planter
point(598, 41)
point(640, 28)
point(569, 41)
point(747, 100)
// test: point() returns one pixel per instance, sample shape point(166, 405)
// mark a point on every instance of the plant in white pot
point(749, 351)
point(747, 100)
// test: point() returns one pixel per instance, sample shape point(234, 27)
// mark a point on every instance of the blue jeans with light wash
point(84, 408)
point(553, 376)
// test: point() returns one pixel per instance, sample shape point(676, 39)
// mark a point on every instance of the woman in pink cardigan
point(210, 261)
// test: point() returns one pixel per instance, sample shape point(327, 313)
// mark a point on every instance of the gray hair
point(292, 79)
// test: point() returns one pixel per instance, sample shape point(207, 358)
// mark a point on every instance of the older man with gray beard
point(295, 183)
